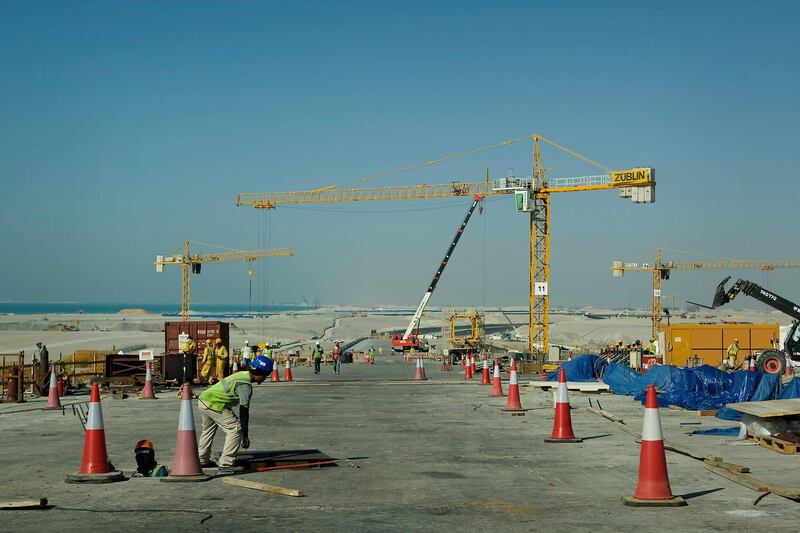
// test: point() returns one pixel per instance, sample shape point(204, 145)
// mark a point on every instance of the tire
point(772, 362)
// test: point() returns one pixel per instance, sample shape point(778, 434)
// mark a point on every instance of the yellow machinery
point(191, 264)
point(661, 270)
point(532, 195)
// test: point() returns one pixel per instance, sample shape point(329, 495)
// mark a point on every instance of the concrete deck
point(432, 456)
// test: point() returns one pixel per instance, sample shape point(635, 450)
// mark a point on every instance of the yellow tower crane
point(190, 264)
point(660, 271)
point(532, 195)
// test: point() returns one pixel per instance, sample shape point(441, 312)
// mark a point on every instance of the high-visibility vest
point(317, 353)
point(733, 349)
point(208, 354)
point(222, 395)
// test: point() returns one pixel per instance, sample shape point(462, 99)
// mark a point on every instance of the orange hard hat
point(144, 444)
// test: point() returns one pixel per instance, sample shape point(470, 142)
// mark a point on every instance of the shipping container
point(707, 344)
point(200, 331)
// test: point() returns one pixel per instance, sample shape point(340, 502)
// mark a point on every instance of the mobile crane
point(407, 340)
point(768, 361)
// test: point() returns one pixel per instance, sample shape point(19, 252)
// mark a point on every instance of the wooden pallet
point(779, 445)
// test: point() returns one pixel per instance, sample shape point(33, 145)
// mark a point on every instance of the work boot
point(208, 464)
point(229, 470)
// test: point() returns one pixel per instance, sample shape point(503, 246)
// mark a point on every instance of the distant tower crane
point(532, 195)
point(191, 264)
point(661, 270)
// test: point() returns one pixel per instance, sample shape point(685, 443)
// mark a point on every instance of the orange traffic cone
point(497, 385)
point(562, 425)
point(53, 401)
point(512, 402)
point(147, 392)
point(276, 377)
point(485, 371)
point(95, 466)
point(235, 366)
point(653, 488)
point(467, 375)
point(473, 369)
point(287, 374)
point(420, 371)
point(186, 462)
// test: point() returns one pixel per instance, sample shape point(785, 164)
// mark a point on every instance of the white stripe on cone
point(287, 362)
point(563, 395)
point(148, 376)
point(513, 379)
point(496, 373)
point(94, 420)
point(186, 422)
point(651, 430)
point(53, 383)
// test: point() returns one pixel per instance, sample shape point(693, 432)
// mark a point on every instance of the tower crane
point(191, 264)
point(532, 195)
point(661, 270)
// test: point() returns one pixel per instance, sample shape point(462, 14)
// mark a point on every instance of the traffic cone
point(420, 371)
point(466, 372)
point(147, 392)
point(95, 466)
point(497, 385)
point(276, 377)
point(751, 363)
point(485, 371)
point(186, 462)
point(53, 401)
point(512, 402)
point(473, 369)
point(653, 487)
point(562, 425)
point(235, 366)
point(287, 374)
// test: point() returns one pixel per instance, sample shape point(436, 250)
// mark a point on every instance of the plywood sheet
point(768, 408)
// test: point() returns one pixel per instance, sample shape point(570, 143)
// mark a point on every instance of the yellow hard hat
point(262, 345)
point(735, 340)
point(218, 340)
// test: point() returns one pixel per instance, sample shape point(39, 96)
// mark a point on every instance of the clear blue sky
point(127, 127)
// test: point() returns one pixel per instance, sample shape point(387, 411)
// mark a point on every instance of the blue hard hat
point(261, 365)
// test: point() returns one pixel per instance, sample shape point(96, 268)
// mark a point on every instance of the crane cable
point(465, 154)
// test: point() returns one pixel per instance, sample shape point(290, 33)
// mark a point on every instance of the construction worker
point(380, 350)
point(651, 347)
point(371, 355)
point(247, 354)
point(261, 347)
point(221, 359)
point(733, 351)
point(216, 405)
point(146, 465)
point(44, 367)
point(336, 355)
point(187, 347)
point(209, 356)
point(317, 357)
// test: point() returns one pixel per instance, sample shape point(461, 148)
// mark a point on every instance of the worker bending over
point(216, 405)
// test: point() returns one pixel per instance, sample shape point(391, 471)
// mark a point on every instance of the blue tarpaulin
point(719, 432)
point(582, 368)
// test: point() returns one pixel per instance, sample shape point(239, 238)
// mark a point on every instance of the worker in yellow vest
point(209, 356)
point(216, 405)
point(221, 354)
point(733, 351)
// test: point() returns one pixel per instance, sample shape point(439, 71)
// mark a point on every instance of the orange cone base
point(494, 394)
point(514, 409)
point(574, 439)
point(675, 501)
point(108, 477)
point(185, 479)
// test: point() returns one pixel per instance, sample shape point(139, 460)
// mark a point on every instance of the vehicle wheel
point(772, 362)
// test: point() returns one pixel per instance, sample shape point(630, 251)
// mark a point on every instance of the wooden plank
point(572, 385)
point(768, 408)
point(262, 487)
point(776, 444)
point(605, 414)
point(742, 479)
point(728, 466)
point(23, 504)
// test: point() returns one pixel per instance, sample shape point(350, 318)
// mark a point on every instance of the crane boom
point(436, 277)
point(753, 290)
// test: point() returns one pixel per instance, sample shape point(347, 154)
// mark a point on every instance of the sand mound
point(134, 312)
